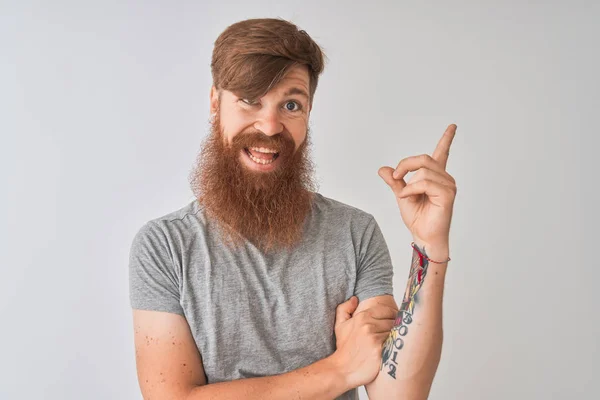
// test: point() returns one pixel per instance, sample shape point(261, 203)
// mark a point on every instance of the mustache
point(280, 141)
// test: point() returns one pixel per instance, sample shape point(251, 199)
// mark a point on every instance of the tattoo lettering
point(394, 342)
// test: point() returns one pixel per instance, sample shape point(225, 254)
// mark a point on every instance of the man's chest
point(254, 316)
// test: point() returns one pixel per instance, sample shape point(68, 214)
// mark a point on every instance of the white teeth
point(263, 150)
point(260, 161)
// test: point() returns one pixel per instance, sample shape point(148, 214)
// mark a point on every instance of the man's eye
point(249, 102)
point(291, 109)
point(287, 107)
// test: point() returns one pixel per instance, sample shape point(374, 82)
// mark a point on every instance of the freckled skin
point(162, 366)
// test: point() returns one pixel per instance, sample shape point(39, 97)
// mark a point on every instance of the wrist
point(435, 251)
point(339, 370)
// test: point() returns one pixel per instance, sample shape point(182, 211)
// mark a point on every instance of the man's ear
point(214, 100)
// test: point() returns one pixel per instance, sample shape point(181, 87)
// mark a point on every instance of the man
point(262, 288)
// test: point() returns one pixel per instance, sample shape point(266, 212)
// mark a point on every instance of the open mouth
point(262, 155)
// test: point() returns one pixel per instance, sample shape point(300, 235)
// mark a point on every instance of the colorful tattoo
point(394, 342)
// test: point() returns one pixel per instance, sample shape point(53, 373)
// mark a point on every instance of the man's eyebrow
point(296, 90)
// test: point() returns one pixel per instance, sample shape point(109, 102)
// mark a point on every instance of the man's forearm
point(320, 380)
point(411, 353)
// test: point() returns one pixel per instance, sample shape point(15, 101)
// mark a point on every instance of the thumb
point(386, 174)
point(344, 311)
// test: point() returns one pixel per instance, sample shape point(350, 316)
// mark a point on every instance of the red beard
point(267, 208)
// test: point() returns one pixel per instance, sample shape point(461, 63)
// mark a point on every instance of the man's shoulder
point(190, 210)
point(337, 210)
point(187, 216)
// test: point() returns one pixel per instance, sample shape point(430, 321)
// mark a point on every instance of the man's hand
point(359, 338)
point(427, 199)
point(343, 313)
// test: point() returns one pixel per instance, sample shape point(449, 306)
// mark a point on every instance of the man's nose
point(269, 122)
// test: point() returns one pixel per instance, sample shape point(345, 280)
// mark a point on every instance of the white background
point(103, 105)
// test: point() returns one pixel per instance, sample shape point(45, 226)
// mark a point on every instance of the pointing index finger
point(443, 147)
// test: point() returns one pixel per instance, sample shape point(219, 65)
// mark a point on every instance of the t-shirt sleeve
point(374, 275)
point(153, 280)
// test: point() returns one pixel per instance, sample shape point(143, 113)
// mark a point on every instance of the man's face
point(284, 110)
point(254, 174)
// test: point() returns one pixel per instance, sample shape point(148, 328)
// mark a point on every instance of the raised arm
point(412, 351)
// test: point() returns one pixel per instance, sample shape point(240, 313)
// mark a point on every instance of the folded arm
point(315, 381)
point(169, 366)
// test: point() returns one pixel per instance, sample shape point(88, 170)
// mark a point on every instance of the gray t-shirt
point(254, 314)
